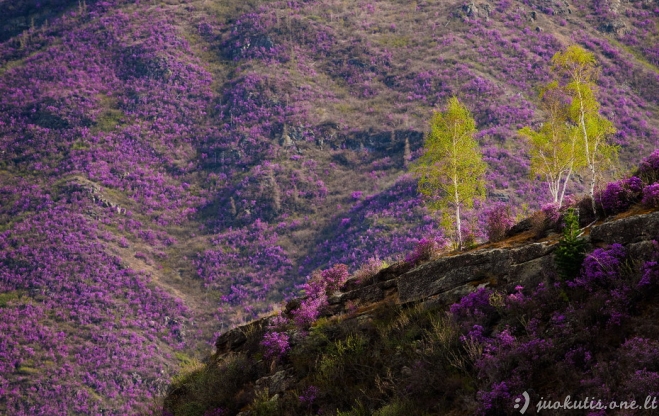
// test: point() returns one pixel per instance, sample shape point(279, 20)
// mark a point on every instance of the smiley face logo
point(527, 400)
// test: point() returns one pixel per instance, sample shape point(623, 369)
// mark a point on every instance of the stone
point(470, 9)
point(627, 230)
point(230, 341)
point(530, 252)
point(448, 273)
point(278, 382)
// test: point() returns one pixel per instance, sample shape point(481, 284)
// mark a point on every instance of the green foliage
point(554, 153)
point(211, 386)
point(451, 171)
point(264, 405)
point(79, 145)
point(575, 134)
point(580, 67)
point(110, 119)
point(397, 408)
point(572, 248)
point(7, 297)
point(27, 370)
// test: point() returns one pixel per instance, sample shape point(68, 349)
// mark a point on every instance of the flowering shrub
point(369, 269)
point(618, 196)
point(552, 214)
point(309, 310)
point(162, 143)
point(309, 395)
point(650, 271)
point(651, 195)
point(316, 289)
point(333, 278)
point(600, 268)
point(498, 221)
point(648, 170)
point(275, 344)
point(474, 310)
point(426, 249)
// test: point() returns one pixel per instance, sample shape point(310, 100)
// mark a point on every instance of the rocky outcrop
point(480, 268)
point(448, 278)
point(93, 191)
point(627, 230)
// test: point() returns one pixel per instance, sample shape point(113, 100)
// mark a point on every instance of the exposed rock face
point(276, 383)
point(449, 278)
point(478, 268)
point(230, 341)
point(438, 283)
point(627, 230)
point(474, 10)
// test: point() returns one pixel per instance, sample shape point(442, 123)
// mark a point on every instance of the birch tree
point(451, 170)
point(580, 67)
point(554, 153)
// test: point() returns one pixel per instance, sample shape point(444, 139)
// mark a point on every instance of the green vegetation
point(553, 150)
point(361, 366)
point(451, 171)
point(109, 120)
point(572, 248)
point(7, 297)
point(595, 130)
point(211, 386)
point(575, 134)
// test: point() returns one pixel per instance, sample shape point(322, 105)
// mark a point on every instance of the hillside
point(454, 334)
point(171, 169)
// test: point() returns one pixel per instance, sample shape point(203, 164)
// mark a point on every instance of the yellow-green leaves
point(554, 154)
point(577, 63)
point(451, 170)
point(574, 123)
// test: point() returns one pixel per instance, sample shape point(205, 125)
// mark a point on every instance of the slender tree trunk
point(457, 211)
point(554, 186)
point(458, 225)
point(455, 187)
point(592, 186)
point(567, 179)
point(590, 161)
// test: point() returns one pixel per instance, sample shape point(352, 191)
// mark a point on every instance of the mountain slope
point(463, 333)
point(169, 169)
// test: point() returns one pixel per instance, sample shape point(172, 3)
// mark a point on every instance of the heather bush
point(648, 170)
point(369, 269)
point(552, 214)
point(600, 268)
point(474, 311)
point(651, 195)
point(650, 271)
point(166, 140)
point(333, 278)
point(426, 249)
point(620, 195)
point(499, 220)
point(275, 344)
point(309, 395)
